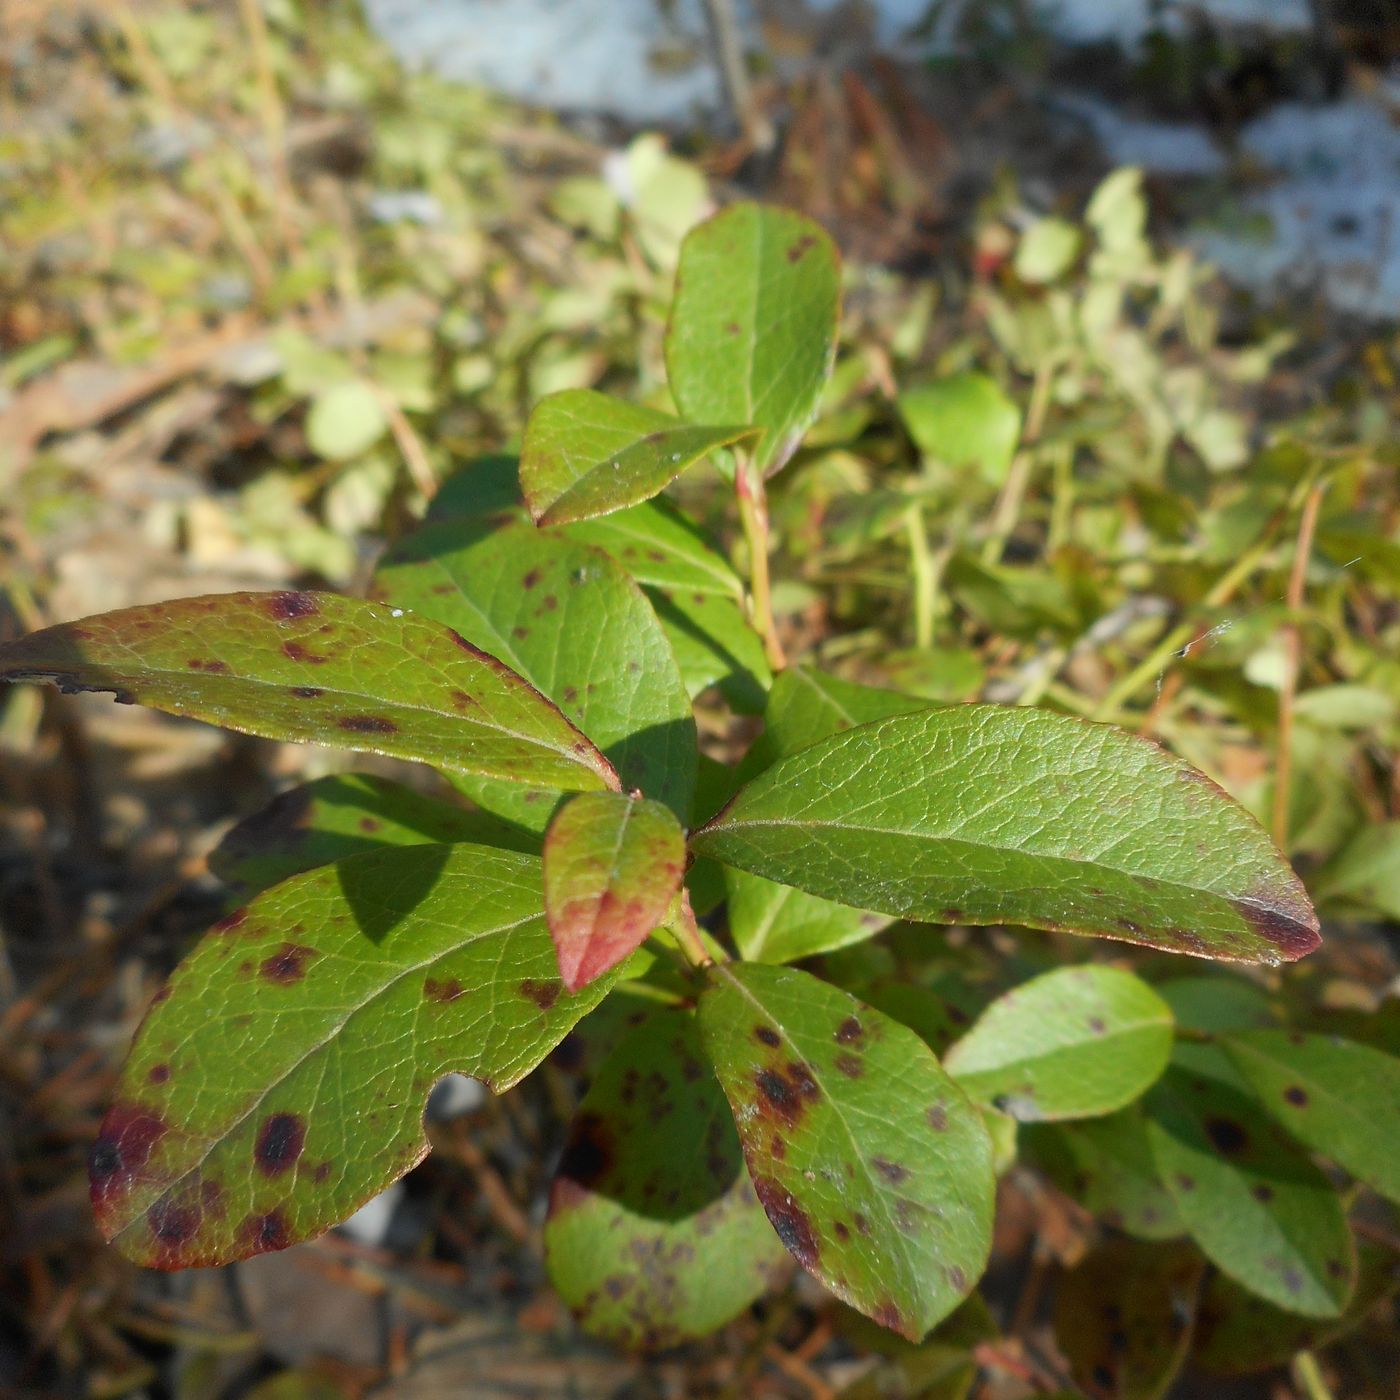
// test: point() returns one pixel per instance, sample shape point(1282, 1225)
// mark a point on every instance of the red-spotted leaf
point(279, 1081)
point(1338, 1098)
point(873, 1167)
point(611, 869)
point(752, 334)
point(1257, 1205)
point(654, 1235)
point(984, 814)
point(331, 818)
point(325, 669)
point(1123, 1317)
point(586, 454)
point(1072, 1043)
point(568, 619)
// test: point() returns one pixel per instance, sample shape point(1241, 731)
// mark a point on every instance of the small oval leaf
point(1338, 1098)
point(1258, 1207)
point(654, 1235)
point(984, 814)
point(611, 870)
point(1073, 1043)
point(752, 334)
point(873, 1167)
point(586, 454)
point(320, 668)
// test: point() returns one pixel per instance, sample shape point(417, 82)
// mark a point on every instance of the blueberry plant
point(546, 657)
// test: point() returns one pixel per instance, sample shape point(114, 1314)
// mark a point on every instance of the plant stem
point(1309, 1377)
point(1293, 658)
point(921, 561)
point(1013, 491)
point(686, 931)
point(753, 511)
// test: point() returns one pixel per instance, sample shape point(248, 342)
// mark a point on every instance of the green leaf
point(1106, 1164)
point(714, 644)
point(325, 669)
point(982, 814)
point(654, 1235)
point(1047, 250)
point(1123, 1317)
point(1258, 1207)
point(752, 335)
point(1237, 1332)
point(965, 420)
point(611, 870)
point(344, 420)
point(776, 923)
point(281, 1082)
point(331, 818)
point(661, 549)
point(807, 705)
point(874, 1169)
point(1338, 1098)
point(570, 620)
point(1073, 1043)
point(586, 454)
point(1216, 1003)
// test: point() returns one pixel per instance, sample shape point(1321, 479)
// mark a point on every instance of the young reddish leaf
point(654, 1235)
point(1123, 1317)
point(1237, 1332)
point(984, 814)
point(752, 334)
point(343, 815)
point(586, 454)
point(320, 668)
point(569, 620)
point(1072, 1043)
point(279, 1082)
point(1106, 1164)
point(611, 869)
point(1338, 1098)
point(873, 1167)
point(1259, 1208)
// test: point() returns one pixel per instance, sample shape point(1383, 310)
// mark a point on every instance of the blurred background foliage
point(262, 291)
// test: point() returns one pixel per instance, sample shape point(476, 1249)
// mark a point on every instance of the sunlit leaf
point(570, 620)
point(321, 668)
point(752, 334)
point(654, 1234)
point(983, 814)
point(874, 1169)
point(965, 420)
point(1073, 1043)
point(586, 454)
point(281, 1081)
